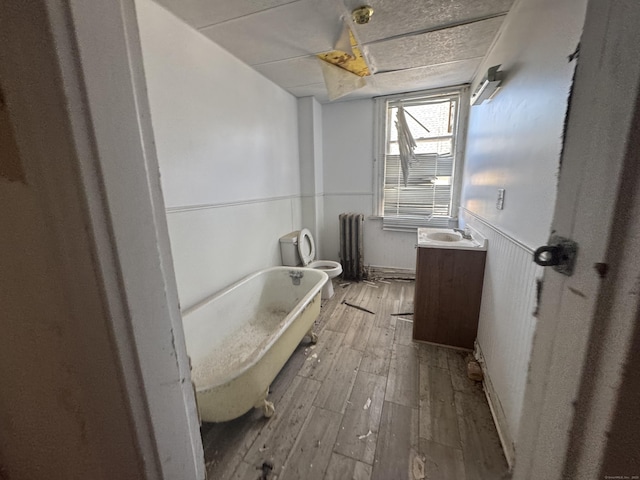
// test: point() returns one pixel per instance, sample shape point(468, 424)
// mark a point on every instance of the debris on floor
point(417, 468)
point(305, 435)
point(267, 468)
point(358, 307)
point(474, 372)
point(401, 314)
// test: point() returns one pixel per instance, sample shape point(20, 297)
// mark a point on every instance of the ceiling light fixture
point(362, 15)
point(488, 87)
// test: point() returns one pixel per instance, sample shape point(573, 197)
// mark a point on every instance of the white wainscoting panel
point(507, 323)
point(214, 246)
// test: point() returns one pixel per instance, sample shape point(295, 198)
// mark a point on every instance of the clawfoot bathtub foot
point(268, 409)
point(313, 337)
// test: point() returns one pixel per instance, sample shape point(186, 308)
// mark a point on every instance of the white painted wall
point(311, 167)
point(514, 142)
point(348, 132)
point(227, 141)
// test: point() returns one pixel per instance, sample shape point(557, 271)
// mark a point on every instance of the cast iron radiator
point(351, 250)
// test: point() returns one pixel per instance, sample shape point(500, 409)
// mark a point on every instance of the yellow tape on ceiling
point(353, 63)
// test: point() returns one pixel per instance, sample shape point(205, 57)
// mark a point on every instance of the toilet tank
point(289, 249)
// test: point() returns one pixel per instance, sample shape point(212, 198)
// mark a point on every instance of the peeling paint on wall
point(574, 56)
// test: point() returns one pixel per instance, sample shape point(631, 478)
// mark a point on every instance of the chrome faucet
point(465, 233)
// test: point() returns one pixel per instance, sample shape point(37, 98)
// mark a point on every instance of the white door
point(586, 321)
point(94, 371)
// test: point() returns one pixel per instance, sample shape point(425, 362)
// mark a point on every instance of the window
point(429, 198)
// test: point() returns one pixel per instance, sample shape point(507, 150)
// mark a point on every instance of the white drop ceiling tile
point(319, 91)
point(293, 30)
point(424, 78)
point(397, 17)
point(295, 72)
point(366, 92)
point(202, 13)
point(443, 46)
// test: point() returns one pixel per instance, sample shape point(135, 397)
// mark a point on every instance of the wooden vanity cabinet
point(447, 296)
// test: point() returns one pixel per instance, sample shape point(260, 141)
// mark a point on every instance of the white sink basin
point(447, 238)
point(444, 236)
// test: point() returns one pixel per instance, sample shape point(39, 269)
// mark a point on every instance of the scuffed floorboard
point(365, 403)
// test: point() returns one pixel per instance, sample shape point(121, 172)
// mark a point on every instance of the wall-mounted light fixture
point(488, 87)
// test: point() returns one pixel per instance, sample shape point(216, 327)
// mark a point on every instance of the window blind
point(425, 201)
point(429, 198)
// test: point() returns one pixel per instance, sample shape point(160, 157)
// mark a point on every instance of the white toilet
point(298, 249)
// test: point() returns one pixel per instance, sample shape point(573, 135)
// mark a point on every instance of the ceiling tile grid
point(409, 44)
point(204, 13)
point(292, 30)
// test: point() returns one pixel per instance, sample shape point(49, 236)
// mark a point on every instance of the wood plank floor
point(364, 403)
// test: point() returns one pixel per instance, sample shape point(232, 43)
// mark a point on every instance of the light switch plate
point(500, 202)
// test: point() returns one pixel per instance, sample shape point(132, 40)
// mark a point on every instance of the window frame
point(380, 143)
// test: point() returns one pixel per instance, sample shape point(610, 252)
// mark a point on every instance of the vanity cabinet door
point(447, 296)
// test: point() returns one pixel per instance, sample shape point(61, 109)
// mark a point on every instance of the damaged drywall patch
point(343, 69)
point(10, 164)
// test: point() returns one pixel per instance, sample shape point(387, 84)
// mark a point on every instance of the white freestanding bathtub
point(240, 338)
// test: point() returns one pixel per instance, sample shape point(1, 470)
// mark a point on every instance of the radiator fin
point(351, 246)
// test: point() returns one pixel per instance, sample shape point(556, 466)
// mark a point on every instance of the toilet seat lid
point(306, 247)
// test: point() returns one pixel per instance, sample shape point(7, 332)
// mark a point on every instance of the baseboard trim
point(376, 271)
point(499, 418)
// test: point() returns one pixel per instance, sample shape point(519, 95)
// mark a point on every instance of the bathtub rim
point(289, 319)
